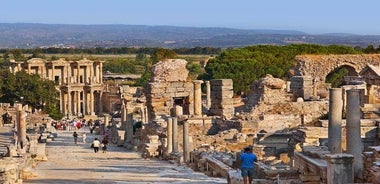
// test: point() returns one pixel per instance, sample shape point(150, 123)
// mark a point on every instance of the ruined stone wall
point(371, 173)
point(268, 90)
point(273, 109)
point(160, 97)
point(221, 98)
point(302, 86)
point(167, 84)
point(319, 66)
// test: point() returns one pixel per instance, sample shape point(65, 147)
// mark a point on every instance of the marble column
point(106, 121)
point(69, 104)
point(288, 89)
point(92, 103)
point(170, 135)
point(128, 135)
point(21, 126)
point(75, 104)
point(100, 99)
point(178, 110)
point(79, 111)
point(123, 116)
point(186, 144)
point(175, 135)
point(354, 142)
point(335, 120)
point(339, 168)
point(208, 94)
point(197, 98)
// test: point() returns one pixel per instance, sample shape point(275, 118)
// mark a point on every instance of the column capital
point(197, 81)
point(340, 158)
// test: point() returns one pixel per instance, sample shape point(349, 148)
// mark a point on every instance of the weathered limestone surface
point(269, 102)
point(163, 71)
point(319, 66)
point(221, 98)
point(168, 87)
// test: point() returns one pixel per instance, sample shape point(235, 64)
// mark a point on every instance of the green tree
point(29, 89)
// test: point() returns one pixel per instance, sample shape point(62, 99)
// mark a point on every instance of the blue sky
point(318, 16)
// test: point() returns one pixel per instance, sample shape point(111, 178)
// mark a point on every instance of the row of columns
point(172, 138)
point(71, 102)
point(343, 167)
point(127, 125)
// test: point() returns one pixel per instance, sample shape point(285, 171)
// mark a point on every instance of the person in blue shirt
point(247, 164)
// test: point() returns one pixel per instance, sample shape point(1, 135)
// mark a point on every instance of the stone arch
point(351, 72)
point(319, 66)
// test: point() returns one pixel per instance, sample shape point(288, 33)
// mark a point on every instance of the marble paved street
point(71, 163)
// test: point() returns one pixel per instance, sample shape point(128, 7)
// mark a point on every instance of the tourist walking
point(104, 145)
point(84, 136)
point(247, 165)
point(95, 145)
point(75, 135)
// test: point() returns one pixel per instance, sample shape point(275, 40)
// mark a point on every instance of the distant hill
point(26, 35)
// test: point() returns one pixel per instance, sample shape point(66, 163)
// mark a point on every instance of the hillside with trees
point(245, 65)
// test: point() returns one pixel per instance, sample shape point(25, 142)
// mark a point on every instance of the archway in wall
point(341, 76)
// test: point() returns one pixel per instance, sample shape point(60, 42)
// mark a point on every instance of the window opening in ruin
point(81, 79)
point(56, 79)
point(183, 102)
point(342, 75)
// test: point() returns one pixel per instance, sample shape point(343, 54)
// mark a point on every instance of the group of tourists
point(96, 144)
point(68, 124)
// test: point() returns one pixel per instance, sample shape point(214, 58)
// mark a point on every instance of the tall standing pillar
point(106, 120)
point(339, 168)
point(354, 142)
point(208, 94)
point(178, 110)
point(175, 135)
point(186, 144)
point(100, 106)
point(170, 136)
point(128, 136)
point(197, 98)
point(21, 126)
point(69, 105)
point(123, 116)
point(92, 103)
point(335, 120)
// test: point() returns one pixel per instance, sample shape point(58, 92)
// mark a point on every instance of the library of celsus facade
point(79, 82)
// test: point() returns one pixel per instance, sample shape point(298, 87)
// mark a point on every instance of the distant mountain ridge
point(29, 35)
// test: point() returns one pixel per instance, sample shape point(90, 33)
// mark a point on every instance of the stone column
point(197, 98)
point(92, 112)
point(106, 120)
point(100, 106)
point(146, 114)
point(178, 110)
point(288, 89)
point(75, 104)
point(128, 135)
point(186, 144)
point(335, 120)
point(175, 135)
point(208, 94)
point(78, 103)
point(69, 104)
point(101, 72)
point(339, 168)
point(21, 126)
point(123, 116)
point(354, 142)
point(170, 135)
